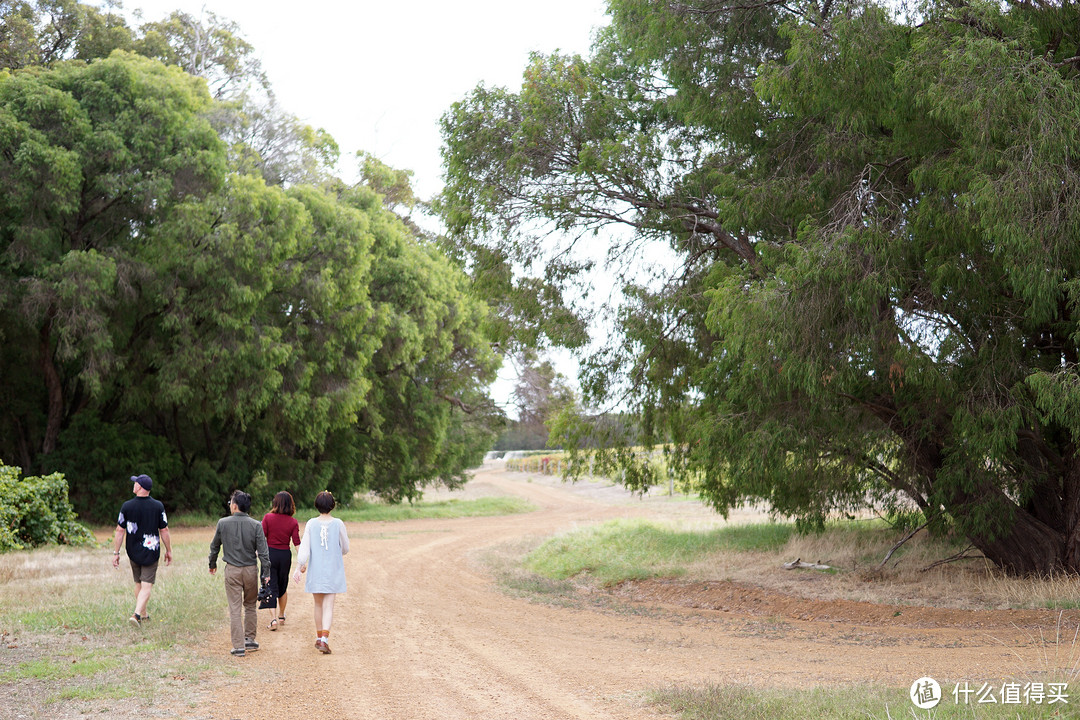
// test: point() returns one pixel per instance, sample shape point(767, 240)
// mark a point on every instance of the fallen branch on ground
point(797, 563)
point(962, 555)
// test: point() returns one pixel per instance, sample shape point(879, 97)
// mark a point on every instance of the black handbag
point(267, 598)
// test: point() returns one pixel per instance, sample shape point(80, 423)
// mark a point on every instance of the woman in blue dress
point(321, 556)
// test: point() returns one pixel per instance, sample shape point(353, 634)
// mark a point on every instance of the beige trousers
point(242, 592)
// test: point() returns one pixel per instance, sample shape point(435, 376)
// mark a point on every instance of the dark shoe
point(322, 646)
point(251, 645)
point(237, 652)
point(134, 620)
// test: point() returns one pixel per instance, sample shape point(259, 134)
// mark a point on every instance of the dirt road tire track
point(424, 633)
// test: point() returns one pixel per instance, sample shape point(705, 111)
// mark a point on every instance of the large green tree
point(429, 418)
point(262, 137)
point(164, 309)
point(214, 320)
point(871, 232)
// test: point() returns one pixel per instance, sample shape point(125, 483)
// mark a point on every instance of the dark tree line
point(187, 290)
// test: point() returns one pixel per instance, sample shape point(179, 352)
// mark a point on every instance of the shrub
point(36, 511)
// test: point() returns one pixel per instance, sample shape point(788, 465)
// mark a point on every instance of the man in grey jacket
point(241, 538)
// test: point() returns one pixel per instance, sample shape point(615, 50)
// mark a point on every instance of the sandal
point(281, 620)
point(273, 625)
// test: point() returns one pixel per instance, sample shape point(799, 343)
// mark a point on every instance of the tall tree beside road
point(428, 417)
point(186, 294)
point(146, 288)
point(870, 221)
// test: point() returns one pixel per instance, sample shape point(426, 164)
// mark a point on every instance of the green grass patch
point(194, 519)
point(443, 509)
point(738, 702)
point(382, 512)
point(632, 550)
point(59, 668)
point(98, 691)
point(66, 618)
point(1062, 604)
point(185, 596)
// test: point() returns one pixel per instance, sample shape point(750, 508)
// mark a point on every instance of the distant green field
point(382, 512)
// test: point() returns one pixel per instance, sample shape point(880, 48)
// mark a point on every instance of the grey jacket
point(241, 539)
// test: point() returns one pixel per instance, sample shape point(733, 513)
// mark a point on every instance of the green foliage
point(262, 138)
point(174, 301)
point(539, 395)
point(42, 32)
point(106, 455)
point(35, 511)
point(428, 417)
point(861, 233)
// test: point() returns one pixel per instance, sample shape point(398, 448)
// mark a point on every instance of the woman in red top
point(280, 527)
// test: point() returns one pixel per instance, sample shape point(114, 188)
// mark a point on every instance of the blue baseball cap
point(143, 480)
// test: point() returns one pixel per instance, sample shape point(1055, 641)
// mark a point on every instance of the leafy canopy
point(186, 291)
point(868, 293)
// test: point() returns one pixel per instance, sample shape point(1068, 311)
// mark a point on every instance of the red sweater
point(279, 529)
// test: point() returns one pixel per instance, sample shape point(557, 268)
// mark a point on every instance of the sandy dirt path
point(425, 633)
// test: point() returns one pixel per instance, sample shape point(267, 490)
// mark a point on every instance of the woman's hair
point(324, 502)
point(283, 504)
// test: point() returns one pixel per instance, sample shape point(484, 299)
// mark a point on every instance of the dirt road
point(425, 633)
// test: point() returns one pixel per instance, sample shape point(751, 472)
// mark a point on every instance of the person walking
point(143, 522)
point(240, 538)
point(280, 528)
point(321, 555)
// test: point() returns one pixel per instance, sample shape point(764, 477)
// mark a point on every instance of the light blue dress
point(323, 548)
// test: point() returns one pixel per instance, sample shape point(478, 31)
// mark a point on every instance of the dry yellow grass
point(904, 580)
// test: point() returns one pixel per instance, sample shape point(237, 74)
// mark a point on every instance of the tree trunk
point(26, 457)
point(1043, 542)
point(1070, 482)
point(55, 412)
point(1044, 537)
point(1029, 547)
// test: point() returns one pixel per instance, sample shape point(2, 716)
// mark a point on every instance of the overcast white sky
point(379, 75)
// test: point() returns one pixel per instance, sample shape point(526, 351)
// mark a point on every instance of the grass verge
point(556, 570)
point(613, 552)
point(737, 702)
point(382, 512)
point(634, 550)
point(67, 649)
point(442, 509)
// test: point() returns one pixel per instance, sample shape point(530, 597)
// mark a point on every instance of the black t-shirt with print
point(142, 518)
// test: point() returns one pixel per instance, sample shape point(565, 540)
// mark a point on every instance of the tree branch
point(897, 546)
point(962, 555)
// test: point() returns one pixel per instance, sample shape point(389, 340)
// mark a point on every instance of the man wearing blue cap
point(142, 520)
